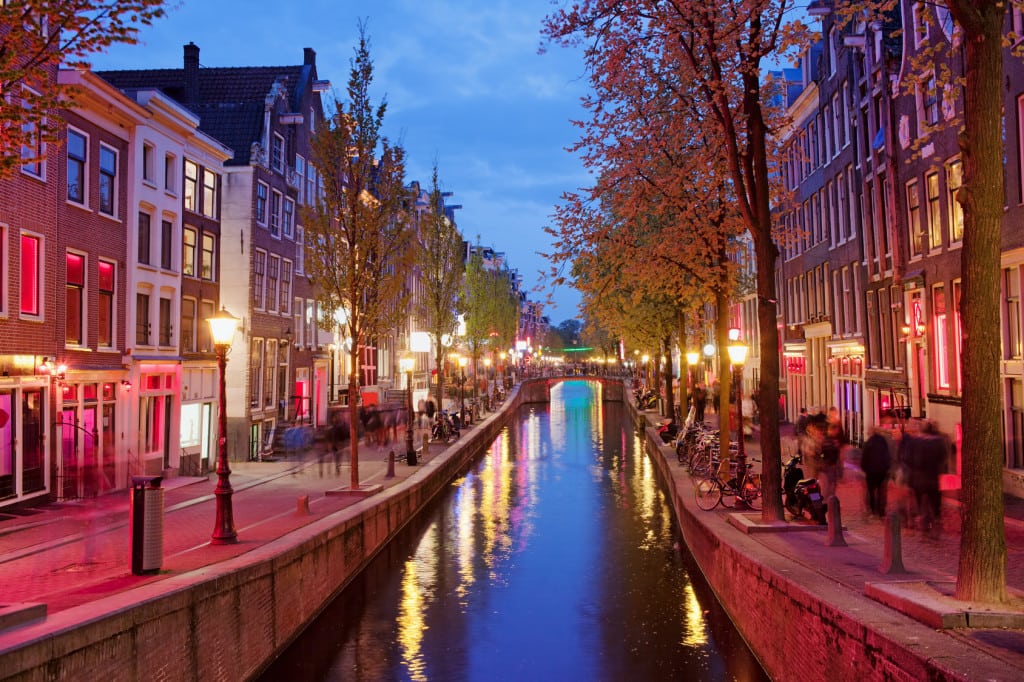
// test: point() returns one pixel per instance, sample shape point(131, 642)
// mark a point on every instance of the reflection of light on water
point(696, 633)
point(418, 576)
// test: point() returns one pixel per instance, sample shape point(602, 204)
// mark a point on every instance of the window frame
point(75, 297)
point(166, 244)
point(144, 250)
point(191, 186)
point(81, 163)
point(262, 197)
point(259, 269)
point(108, 177)
point(210, 190)
point(142, 317)
point(208, 254)
point(34, 273)
point(106, 304)
point(189, 251)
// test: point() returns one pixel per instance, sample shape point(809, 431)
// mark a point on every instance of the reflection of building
point(267, 116)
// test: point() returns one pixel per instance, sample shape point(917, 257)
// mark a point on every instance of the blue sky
point(465, 85)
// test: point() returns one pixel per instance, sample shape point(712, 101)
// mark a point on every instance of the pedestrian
point(876, 462)
point(809, 447)
point(801, 423)
point(829, 458)
point(700, 397)
point(932, 454)
point(430, 408)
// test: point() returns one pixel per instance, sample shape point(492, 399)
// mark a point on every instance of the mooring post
point(835, 524)
point(391, 464)
point(302, 505)
point(892, 556)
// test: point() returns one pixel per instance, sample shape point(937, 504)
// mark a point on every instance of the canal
point(555, 557)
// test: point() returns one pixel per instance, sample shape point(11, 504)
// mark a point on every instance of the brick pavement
point(67, 554)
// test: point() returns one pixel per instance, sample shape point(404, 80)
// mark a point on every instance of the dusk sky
point(465, 84)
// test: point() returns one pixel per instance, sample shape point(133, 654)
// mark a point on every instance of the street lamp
point(737, 355)
point(462, 389)
point(222, 328)
point(487, 376)
point(692, 358)
point(406, 364)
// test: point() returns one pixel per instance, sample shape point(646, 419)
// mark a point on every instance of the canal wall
point(228, 621)
point(799, 623)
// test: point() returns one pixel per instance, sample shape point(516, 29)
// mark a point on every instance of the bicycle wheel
point(708, 494)
point(728, 496)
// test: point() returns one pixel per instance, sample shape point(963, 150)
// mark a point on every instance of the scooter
point(802, 495)
point(668, 431)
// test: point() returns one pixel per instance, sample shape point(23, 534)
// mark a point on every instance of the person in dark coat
point(876, 461)
point(929, 464)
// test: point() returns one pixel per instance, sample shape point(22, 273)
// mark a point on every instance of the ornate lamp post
point(222, 328)
point(406, 364)
point(462, 388)
point(487, 376)
point(737, 356)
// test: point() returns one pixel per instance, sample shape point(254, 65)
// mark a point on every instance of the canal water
point(555, 557)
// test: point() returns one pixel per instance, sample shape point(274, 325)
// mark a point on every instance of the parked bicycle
point(728, 486)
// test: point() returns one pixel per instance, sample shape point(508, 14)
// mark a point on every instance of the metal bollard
point(426, 444)
point(835, 524)
point(391, 464)
point(892, 556)
point(302, 505)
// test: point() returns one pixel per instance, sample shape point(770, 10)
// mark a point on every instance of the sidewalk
point(68, 554)
point(924, 591)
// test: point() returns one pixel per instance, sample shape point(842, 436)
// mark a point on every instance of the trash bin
point(146, 520)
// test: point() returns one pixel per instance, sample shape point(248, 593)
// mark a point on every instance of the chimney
point(191, 72)
point(308, 56)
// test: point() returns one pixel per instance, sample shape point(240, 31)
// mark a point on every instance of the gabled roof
point(230, 101)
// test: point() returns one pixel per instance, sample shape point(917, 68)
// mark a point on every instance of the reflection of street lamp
point(737, 355)
point(462, 388)
point(222, 328)
point(406, 364)
point(503, 355)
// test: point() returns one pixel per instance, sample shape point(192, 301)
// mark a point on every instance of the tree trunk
point(981, 574)
point(724, 372)
point(353, 416)
point(670, 398)
point(766, 255)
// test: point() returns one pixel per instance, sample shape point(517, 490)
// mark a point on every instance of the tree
point(35, 37)
point(710, 60)
point(491, 310)
point(981, 574)
point(439, 256)
point(358, 236)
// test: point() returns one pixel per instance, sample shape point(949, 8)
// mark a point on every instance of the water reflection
point(554, 557)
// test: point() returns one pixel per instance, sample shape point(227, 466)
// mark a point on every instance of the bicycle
point(726, 489)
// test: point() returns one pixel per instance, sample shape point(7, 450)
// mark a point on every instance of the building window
point(144, 236)
point(941, 339)
point(206, 309)
point(31, 255)
point(170, 173)
point(188, 325)
point(277, 153)
point(209, 193)
point(148, 163)
point(275, 213)
point(165, 321)
point(958, 335)
point(300, 175)
point(74, 304)
point(166, 244)
point(310, 184)
point(1011, 287)
point(258, 272)
point(142, 319)
point(77, 157)
point(931, 183)
point(954, 178)
point(288, 218)
point(269, 365)
point(191, 186)
point(188, 253)
point(32, 147)
point(261, 203)
point(256, 372)
point(286, 287)
point(108, 180)
point(272, 275)
point(105, 320)
point(914, 218)
point(209, 249)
